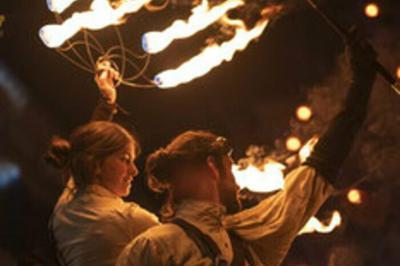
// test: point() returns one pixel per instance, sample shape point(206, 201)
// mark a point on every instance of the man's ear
point(212, 165)
point(97, 169)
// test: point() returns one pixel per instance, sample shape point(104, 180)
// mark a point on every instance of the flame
point(202, 16)
point(59, 6)
point(100, 15)
point(267, 179)
point(306, 150)
point(210, 57)
point(270, 178)
point(314, 225)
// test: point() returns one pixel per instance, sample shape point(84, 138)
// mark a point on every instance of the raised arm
point(334, 145)
point(272, 225)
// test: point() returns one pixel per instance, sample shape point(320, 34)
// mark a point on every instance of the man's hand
point(105, 78)
point(359, 52)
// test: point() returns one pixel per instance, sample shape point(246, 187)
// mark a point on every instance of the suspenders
point(209, 248)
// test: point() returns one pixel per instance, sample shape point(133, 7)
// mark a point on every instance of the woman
point(91, 223)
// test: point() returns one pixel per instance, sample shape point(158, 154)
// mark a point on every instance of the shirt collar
point(204, 215)
point(102, 192)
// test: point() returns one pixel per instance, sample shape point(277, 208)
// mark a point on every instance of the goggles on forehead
point(221, 146)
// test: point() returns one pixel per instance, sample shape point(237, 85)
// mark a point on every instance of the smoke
point(377, 149)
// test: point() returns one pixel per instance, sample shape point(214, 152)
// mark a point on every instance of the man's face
point(228, 189)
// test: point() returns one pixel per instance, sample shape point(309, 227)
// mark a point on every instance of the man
point(203, 226)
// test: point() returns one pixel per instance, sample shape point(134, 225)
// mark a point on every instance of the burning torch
point(345, 35)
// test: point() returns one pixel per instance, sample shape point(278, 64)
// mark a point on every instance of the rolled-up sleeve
point(271, 226)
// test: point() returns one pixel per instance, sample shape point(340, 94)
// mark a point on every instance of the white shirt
point(269, 228)
point(91, 228)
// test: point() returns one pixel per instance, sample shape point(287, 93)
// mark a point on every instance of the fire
point(211, 56)
point(271, 178)
point(267, 179)
point(314, 225)
point(303, 113)
point(372, 10)
point(306, 150)
point(202, 16)
point(354, 196)
point(59, 6)
point(100, 15)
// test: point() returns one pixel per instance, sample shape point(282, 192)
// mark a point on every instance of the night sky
point(250, 100)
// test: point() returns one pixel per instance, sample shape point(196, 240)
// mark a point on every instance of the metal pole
point(344, 34)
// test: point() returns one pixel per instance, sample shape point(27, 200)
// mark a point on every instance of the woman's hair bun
point(58, 153)
point(158, 166)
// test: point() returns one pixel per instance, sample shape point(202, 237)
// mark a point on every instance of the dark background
point(250, 100)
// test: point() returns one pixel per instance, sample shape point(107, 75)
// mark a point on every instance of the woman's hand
point(105, 78)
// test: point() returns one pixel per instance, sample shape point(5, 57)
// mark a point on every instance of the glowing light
point(398, 72)
point(354, 196)
point(2, 19)
point(267, 179)
point(303, 113)
point(210, 57)
point(314, 225)
point(293, 144)
point(372, 10)
point(306, 150)
point(100, 15)
point(202, 16)
point(9, 173)
point(59, 6)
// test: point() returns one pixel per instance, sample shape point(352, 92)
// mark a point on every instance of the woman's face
point(118, 170)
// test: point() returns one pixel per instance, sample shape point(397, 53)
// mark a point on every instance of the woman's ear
point(212, 166)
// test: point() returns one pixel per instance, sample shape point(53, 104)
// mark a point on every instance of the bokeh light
point(303, 113)
point(293, 144)
point(354, 196)
point(398, 72)
point(372, 10)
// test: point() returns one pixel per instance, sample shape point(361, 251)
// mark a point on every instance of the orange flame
point(100, 15)
point(202, 16)
point(211, 56)
point(270, 178)
point(267, 179)
point(306, 150)
point(314, 225)
point(59, 6)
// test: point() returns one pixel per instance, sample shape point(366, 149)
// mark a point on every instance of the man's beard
point(230, 200)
